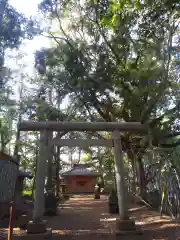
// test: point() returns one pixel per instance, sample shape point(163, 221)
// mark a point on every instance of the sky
point(29, 8)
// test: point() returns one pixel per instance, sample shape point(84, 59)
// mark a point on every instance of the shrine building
point(80, 179)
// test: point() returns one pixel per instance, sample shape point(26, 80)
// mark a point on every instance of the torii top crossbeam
point(81, 126)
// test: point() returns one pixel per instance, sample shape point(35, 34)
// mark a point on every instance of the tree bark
point(35, 172)
point(50, 164)
point(57, 172)
point(141, 178)
point(133, 162)
point(2, 10)
point(18, 133)
point(132, 158)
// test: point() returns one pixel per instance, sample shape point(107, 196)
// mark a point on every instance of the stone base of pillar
point(41, 236)
point(96, 196)
point(36, 227)
point(124, 227)
point(23, 221)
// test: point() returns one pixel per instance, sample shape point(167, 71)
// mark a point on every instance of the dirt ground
point(83, 218)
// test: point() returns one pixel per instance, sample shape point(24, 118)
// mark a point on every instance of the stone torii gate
point(115, 142)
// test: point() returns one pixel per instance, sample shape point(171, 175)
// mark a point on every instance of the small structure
point(11, 184)
point(80, 179)
point(8, 176)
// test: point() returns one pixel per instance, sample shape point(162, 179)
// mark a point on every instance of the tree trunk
point(50, 164)
point(141, 178)
point(2, 10)
point(35, 171)
point(133, 162)
point(71, 156)
point(3, 146)
point(57, 172)
point(57, 158)
point(132, 158)
point(18, 133)
point(34, 183)
point(79, 155)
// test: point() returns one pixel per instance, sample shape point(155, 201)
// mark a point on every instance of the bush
point(51, 204)
point(113, 196)
point(66, 196)
point(154, 199)
point(113, 202)
point(27, 192)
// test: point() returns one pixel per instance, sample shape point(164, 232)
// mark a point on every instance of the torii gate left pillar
point(38, 226)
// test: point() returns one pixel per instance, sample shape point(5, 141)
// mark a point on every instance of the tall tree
point(118, 60)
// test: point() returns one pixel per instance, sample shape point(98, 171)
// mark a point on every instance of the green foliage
point(125, 74)
point(14, 27)
point(117, 63)
point(27, 192)
point(113, 61)
point(51, 204)
point(6, 131)
point(113, 197)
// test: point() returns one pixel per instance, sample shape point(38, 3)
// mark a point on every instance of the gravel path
point(83, 218)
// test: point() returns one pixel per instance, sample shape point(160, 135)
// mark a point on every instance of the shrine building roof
point(80, 170)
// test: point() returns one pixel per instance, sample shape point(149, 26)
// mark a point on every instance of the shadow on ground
point(85, 218)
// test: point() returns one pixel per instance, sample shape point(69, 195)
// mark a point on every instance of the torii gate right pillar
point(123, 223)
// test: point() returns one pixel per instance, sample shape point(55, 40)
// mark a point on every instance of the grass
point(27, 192)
